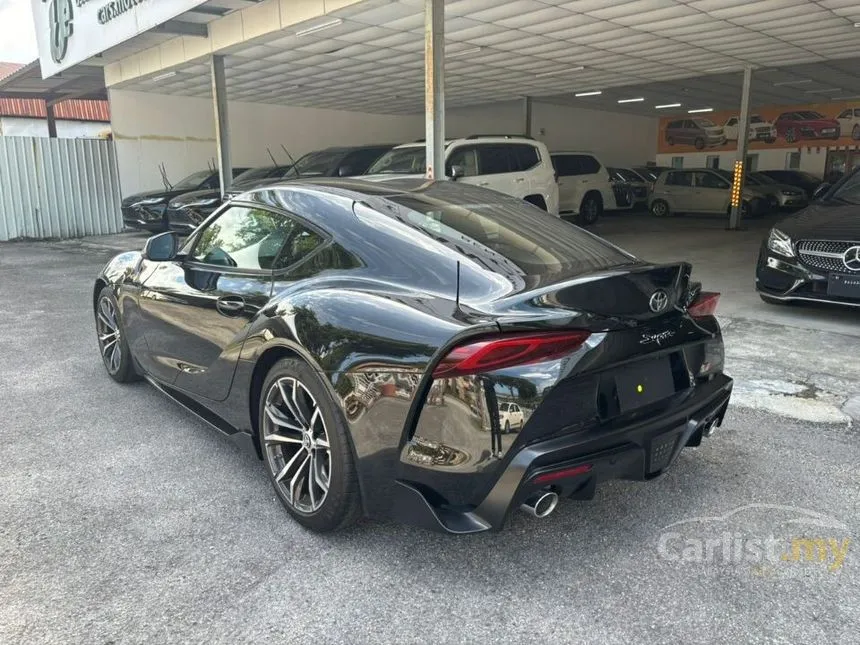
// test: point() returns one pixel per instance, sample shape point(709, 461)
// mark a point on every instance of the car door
point(525, 160)
point(567, 169)
point(497, 170)
point(196, 310)
point(711, 194)
point(677, 190)
point(730, 129)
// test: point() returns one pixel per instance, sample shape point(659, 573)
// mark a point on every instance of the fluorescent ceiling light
point(560, 71)
point(161, 77)
point(323, 25)
point(464, 52)
point(828, 91)
point(594, 93)
point(667, 105)
point(800, 82)
point(845, 98)
point(697, 110)
point(636, 100)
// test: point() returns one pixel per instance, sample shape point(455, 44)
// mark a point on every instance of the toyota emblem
point(851, 258)
point(660, 300)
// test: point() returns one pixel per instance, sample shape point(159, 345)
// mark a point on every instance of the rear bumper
point(638, 451)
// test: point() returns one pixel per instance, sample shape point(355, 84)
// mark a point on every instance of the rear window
point(572, 165)
point(496, 230)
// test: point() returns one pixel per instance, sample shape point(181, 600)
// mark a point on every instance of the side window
point(466, 157)
point(242, 238)
point(674, 124)
point(679, 179)
point(300, 243)
point(709, 180)
point(856, 111)
point(526, 156)
point(732, 121)
point(844, 114)
point(589, 165)
point(495, 159)
point(566, 165)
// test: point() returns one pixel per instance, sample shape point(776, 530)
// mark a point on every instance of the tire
point(699, 143)
point(110, 336)
point(790, 135)
point(507, 427)
point(536, 200)
point(660, 208)
point(855, 133)
point(590, 209)
point(330, 500)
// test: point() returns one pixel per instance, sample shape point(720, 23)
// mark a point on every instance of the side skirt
point(238, 437)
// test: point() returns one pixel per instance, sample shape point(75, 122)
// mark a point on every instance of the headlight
point(204, 202)
point(779, 242)
point(150, 201)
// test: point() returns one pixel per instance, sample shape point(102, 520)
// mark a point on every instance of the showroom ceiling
point(369, 56)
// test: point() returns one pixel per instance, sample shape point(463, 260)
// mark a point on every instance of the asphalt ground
point(124, 519)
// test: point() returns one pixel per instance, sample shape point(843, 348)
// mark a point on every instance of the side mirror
point(456, 172)
point(821, 190)
point(161, 247)
point(345, 171)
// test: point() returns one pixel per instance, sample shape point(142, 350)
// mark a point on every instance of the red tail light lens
point(498, 352)
point(546, 478)
point(704, 305)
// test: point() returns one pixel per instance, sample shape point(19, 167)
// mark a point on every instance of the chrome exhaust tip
point(711, 427)
point(540, 504)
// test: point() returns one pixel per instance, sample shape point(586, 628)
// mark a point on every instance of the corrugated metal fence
point(58, 188)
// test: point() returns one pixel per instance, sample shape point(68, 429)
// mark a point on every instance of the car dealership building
point(196, 83)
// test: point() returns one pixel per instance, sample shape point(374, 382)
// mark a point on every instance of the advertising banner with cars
point(818, 124)
point(70, 31)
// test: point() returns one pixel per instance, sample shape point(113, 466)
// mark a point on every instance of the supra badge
point(657, 338)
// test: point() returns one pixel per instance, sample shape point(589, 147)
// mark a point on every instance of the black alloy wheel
point(112, 343)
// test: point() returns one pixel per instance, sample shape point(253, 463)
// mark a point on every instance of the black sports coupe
point(367, 340)
point(815, 254)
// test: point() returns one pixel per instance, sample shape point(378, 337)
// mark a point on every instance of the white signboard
point(69, 31)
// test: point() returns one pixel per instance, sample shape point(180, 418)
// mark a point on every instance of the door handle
point(230, 305)
point(520, 179)
point(483, 183)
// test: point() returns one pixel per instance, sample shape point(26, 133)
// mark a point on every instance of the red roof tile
point(8, 68)
point(72, 110)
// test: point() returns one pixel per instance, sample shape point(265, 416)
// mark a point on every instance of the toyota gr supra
point(368, 341)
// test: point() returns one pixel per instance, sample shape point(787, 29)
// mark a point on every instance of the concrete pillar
point(527, 116)
point(741, 159)
point(434, 87)
point(222, 124)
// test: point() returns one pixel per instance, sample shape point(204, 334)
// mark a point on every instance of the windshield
point(316, 164)
point(762, 179)
point(846, 190)
point(725, 174)
point(260, 173)
point(651, 173)
point(755, 118)
point(705, 123)
point(810, 115)
point(498, 231)
point(754, 181)
point(193, 181)
point(400, 161)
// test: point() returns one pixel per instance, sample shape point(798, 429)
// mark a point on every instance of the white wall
point(180, 132)
point(23, 127)
point(812, 160)
point(150, 129)
point(617, 139)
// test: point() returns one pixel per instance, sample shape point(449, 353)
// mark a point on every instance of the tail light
point(498, 352)
point(704, 305)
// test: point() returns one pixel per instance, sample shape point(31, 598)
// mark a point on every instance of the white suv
point(510, 164)
point(584, 186)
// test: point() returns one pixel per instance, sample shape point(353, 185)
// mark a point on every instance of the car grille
point(825, 255)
